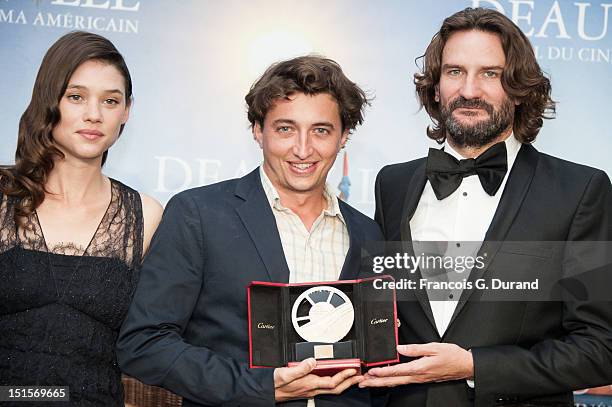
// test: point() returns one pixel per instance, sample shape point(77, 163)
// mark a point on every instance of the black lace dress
point(61, 309)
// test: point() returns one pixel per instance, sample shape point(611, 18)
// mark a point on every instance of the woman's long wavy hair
point(522, 78)
point(36, 151)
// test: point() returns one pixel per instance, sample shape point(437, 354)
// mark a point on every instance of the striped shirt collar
point(332, 209)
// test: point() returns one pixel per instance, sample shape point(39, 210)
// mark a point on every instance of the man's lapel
point(259, 221)
point(416, 184)
point(413, 195)
point(512, 198)
point(352, 261)
point(514, 194)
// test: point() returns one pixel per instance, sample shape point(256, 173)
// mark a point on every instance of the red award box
point(275, 342)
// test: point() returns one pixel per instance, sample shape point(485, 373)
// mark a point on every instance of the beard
point(482, 132)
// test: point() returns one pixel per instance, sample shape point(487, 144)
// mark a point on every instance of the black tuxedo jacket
point(187, 327)
point(524, 352)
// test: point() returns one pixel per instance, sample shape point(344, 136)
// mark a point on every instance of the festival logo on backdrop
point(560, 30)
point(75, 15)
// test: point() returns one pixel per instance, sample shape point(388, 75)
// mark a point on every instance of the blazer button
point(399, 323)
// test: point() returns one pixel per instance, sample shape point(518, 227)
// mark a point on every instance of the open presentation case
point(371, 339)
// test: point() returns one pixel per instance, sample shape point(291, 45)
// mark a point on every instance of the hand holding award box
point(342, 324)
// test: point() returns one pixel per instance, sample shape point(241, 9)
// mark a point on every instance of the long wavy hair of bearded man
point(36, 151)
point(522, 78)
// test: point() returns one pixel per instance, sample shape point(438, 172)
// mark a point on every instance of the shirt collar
point(332, 208)
point(512, 148)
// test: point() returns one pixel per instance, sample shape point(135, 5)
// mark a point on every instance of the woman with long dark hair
point(71, 239)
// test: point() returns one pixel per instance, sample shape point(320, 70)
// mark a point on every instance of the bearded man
point(487, 97)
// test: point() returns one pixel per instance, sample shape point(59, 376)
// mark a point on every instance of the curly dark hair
point(36, 151)
point(522, 78)
point(310, 75)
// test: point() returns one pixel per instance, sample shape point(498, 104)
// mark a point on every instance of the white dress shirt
point(465, 215)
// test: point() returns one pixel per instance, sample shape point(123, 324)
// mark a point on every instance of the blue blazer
point(187, 327)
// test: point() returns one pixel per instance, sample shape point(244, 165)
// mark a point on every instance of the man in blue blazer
point(187, 327)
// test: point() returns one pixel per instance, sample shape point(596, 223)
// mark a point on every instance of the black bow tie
point(445, 172)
